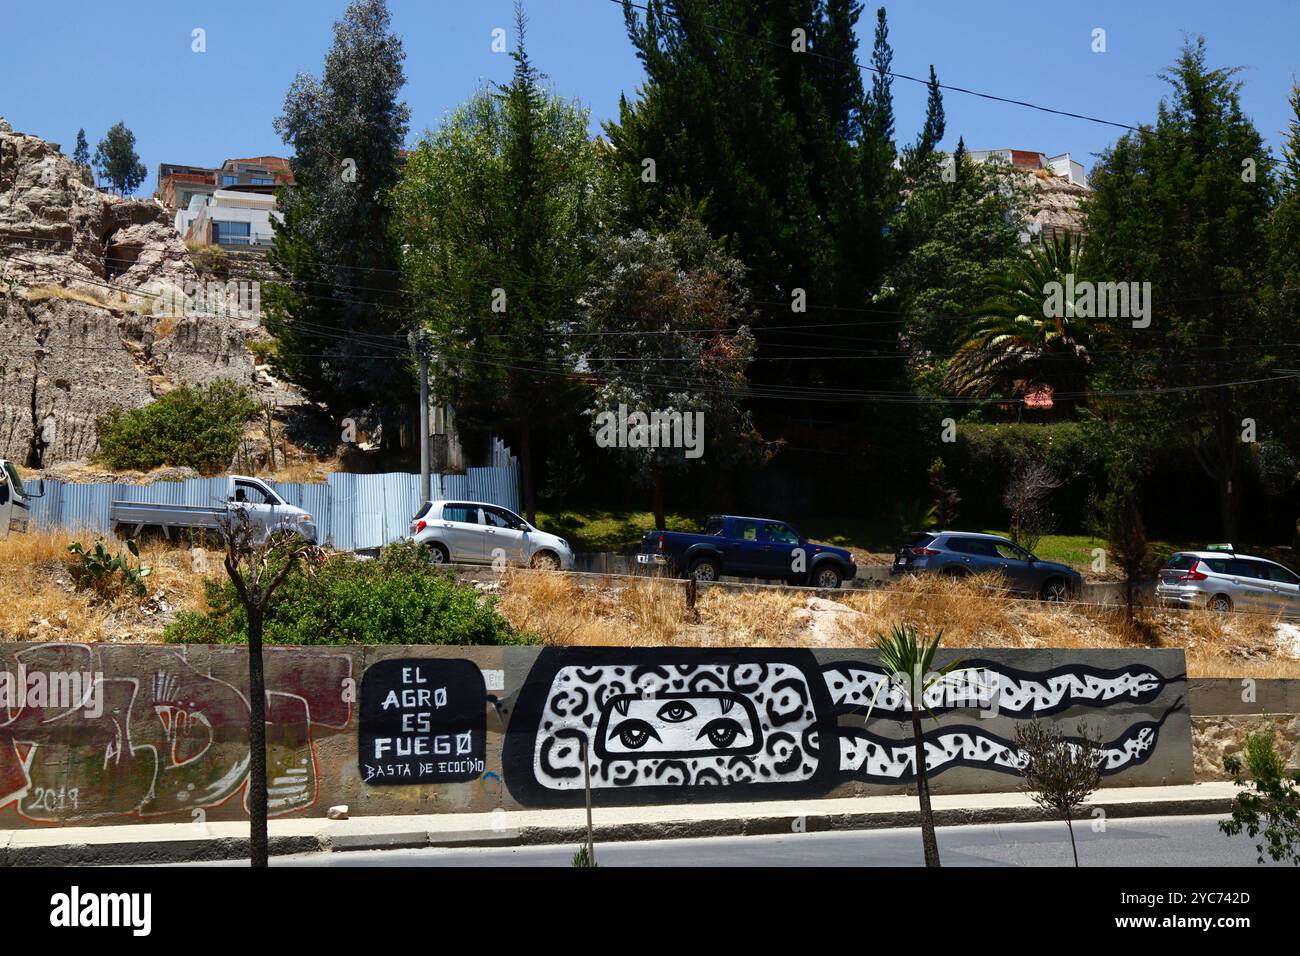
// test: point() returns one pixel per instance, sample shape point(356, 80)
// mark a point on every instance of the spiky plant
point(908, 662)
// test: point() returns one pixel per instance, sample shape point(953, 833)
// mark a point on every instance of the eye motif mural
point(686, 724)
point(658, 720)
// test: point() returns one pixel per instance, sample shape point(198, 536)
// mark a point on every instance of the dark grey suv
point(968, 552)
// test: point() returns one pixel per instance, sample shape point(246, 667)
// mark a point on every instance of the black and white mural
point(665, 723)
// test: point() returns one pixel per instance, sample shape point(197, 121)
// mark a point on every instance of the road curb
point(128, 852)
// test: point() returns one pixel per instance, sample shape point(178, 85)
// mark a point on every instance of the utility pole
point(422, 349)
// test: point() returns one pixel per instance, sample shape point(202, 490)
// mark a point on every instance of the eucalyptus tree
point(335, 306)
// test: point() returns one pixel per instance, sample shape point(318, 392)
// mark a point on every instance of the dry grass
point(44, 292)
point(301, 470)
point(39, 602)
point(562, 611)
point(971, 613)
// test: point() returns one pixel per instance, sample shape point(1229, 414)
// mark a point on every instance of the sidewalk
point(180, 842)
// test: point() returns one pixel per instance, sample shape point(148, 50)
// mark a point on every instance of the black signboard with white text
point(422, 720)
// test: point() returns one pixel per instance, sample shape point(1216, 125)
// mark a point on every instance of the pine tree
point(81, 154)
point(497, 215)
point(880, 106)
point(117, 162)
point(782, 150)
point(1290, 171)
point(732, 114)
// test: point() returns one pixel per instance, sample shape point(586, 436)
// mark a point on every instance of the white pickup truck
point(267, 512)
point(15, 500)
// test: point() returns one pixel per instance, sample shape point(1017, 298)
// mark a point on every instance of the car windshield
point(1181, 562)
point(254, 494)
point(1010, 552)
point(15, 481)
point(714, 525)
point(1275, 572)
point(424, 510)
point(501, 518)
point(779, 533)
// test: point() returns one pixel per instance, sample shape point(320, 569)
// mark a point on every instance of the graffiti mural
point(659, 722)
point(115, 733)
point(152, 735)
point(422, 721)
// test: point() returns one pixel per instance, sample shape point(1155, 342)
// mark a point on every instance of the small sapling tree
point(1060, 772)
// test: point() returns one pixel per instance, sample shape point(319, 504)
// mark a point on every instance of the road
point(1138, 842)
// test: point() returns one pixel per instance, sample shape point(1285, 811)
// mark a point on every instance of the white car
point(476, 532)
point(1224, 580)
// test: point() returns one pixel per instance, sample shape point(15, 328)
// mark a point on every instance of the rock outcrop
point(86, 321)
point(1053, 204)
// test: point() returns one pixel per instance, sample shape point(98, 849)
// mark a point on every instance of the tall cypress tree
point(783, 149)
point(1171, 206)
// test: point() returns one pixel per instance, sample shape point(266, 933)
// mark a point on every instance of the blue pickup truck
point(747, 548)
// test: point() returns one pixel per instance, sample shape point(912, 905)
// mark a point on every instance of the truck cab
point(15, 500)
point(742, 546)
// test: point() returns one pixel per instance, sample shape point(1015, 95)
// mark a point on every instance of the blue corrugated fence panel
point(400, 492)
point(350, 511)
point(45, 510)
point(315, 500)
point(368, 512)
point(342, 501)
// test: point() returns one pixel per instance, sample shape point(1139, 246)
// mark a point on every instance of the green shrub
point(398, 599)
point(1268, 806)
point(208, 258)
point(188, 427)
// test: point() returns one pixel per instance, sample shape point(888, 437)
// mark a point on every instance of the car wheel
point(437, 554)
point(1221, 603)
point(827, 576)
point(545, 561)
point(705, 569)
point(1055, 589)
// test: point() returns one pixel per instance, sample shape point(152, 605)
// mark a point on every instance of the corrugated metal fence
point(351, 511)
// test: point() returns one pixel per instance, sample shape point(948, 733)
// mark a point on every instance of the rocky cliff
point(86, 321)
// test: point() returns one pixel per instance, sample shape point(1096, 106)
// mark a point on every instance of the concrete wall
point(1225, 710)
point(116, 733)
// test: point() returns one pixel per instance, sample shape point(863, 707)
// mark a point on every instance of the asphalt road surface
point(1139, 841)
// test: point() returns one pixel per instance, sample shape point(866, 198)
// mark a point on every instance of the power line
point(387, 342)
point(892, 74)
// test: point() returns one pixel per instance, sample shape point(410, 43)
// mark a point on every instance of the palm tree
point(908, 663)
point(1014, 347)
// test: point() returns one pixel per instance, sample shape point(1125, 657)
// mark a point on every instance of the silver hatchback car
point(1225, 581)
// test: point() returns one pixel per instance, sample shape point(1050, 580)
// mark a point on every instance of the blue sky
point(66, 64)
